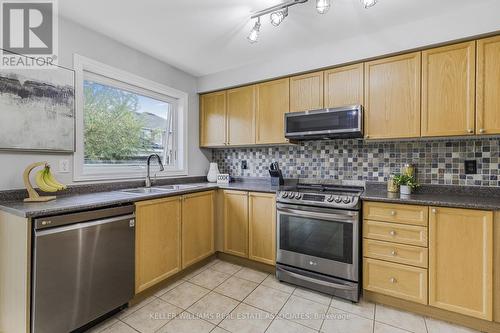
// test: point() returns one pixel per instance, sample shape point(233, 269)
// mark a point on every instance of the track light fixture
point(253, 36)
point(279, 12)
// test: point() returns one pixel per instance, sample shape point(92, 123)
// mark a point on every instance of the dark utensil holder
point(277, 181)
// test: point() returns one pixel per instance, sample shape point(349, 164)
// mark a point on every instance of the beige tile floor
point(222, 297)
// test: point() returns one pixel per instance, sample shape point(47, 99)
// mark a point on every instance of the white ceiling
point(203, 37)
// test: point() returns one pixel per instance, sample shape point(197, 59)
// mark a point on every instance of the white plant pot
point(405, 190)
point(213, 171)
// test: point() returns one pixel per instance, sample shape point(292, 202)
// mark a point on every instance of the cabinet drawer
point(398, 253)
point(405, 214)
point(406, 282)
point(393, 232)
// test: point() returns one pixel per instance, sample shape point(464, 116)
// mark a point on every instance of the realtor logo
point(28, 36)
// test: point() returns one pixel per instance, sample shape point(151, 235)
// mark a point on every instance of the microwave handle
point(317, 281)
point(330, 217)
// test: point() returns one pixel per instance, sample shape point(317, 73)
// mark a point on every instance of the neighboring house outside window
point(122, 119)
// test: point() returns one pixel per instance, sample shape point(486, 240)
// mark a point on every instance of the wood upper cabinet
point(236, 223)
point(488, 86)
point(306, 92)
point(461, 261)
point(157, 239)
point(273, 101)
point(448, 89)
point(241, 116)
point(392, 97)
point(343, 86)
point(197, 227)
point(262, 227)
point(213, 119)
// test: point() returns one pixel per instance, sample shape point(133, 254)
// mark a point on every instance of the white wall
point(457, 23)
point(74, 38)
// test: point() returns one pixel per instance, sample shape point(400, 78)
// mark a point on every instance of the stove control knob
point(330, 198)
point(291, 195)
point(338, 199)
point(284, 194)
point(298, 196)
point(346, 200)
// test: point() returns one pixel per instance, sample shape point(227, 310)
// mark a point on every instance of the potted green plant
point(406, 183)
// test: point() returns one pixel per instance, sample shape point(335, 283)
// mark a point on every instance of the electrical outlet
point(470, 167)
point(63, 166)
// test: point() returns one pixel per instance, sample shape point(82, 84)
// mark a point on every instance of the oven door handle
point(331, 217)
point(317, 281)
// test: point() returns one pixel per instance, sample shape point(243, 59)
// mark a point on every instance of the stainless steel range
point(318, 238)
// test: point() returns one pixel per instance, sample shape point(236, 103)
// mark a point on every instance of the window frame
point(136, 84)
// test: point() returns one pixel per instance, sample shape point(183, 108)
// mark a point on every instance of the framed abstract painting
point(37, 109)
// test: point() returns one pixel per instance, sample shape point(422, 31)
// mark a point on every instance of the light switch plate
point(63, 166)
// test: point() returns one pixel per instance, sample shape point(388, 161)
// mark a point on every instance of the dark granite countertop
point(438, 195)
point(85, 201)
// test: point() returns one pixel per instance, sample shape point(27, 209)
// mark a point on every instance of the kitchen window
point(122, 119)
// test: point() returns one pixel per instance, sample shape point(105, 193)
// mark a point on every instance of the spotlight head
point(322, 6)
point(278, 16)
point(253, 36)
point(368, 3)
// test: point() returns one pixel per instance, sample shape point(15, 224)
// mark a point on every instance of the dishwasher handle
point(83, 225)
point(86, 216)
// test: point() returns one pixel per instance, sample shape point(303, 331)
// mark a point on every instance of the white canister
point(213, 171)
point(405, 190)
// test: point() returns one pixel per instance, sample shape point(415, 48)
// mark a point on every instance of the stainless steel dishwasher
point(83, 267)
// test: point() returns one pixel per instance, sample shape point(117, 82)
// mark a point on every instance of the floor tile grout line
point(399, 328)
point(327, 310)
point(129, 326)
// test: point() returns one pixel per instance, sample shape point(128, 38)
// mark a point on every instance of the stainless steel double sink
point(160, 189)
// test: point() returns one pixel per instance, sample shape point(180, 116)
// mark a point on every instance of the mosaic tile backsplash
point(437, 161)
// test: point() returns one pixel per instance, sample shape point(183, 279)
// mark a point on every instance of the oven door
point(321, 240)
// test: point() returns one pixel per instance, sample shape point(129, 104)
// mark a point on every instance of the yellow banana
point(51, 180)
point(42, 185)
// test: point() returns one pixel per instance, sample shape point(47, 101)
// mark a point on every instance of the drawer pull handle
point(434, 210)
point(393, 280)
point(393, 213)
point(482, 131)
point(394, 253)
point(392, 233)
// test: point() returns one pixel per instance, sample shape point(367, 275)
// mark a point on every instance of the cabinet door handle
point(394, 253)
point(470, 131)
point(392, 233)
point(393, 280)
point(434, 210)
point(481, 130)
point(393, 212)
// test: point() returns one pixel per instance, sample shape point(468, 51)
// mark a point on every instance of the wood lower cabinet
point(213, 119)
point(197, 227)
point(158, 240)
point(395, 280)
point(273, 101)
point(306, 92)
point(461, 261)
point(343, 86)
point(448, 90)
point(398, 213)
point(262, 227)
point(488, 86)
point(241, 116)
point(392, 97)
point(236, 223)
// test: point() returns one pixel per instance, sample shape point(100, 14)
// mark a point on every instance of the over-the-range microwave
point(342, 122)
